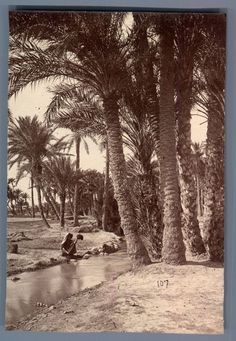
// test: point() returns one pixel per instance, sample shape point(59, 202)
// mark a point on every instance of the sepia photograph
point(115, 189)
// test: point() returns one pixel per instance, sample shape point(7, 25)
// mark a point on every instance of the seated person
point(68, 246)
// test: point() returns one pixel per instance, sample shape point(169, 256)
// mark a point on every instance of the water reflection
point(52, 284)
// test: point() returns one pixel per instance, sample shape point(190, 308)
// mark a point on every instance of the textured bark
point(32, 197)
point(214, 186)
point(135, 246)
point(173, 250)
point(147, 106)
point(199, 197)
point(146, 80)
point(190, 225)
point(76, 194)
point(149, 216)
point(62, 209)
point(105, 209)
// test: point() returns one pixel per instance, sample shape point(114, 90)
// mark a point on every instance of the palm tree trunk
point(199, 197)
point(13, 208)
point(201, 201)
point(145, 78)
point(148, 103)
point(76, 194)
point(214, 186)
point(32, 197)
point(62, 209)
point(40, 203)
point(173, 250)
point(54, 204)
point(135, 246)
point(70, 204)
point(50, 203)
point(190, 224)
point(105, 208)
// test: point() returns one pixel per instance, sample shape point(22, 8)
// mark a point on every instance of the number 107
point(164, 283)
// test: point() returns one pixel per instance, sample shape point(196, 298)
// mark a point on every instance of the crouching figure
point(68, 246)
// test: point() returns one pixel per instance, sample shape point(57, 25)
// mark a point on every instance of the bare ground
point(42, 249)
point(190, 302)
point(158, 298)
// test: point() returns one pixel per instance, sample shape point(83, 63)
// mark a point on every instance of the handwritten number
point(164, 283)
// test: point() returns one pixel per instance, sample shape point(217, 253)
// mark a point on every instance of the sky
point(34, 101)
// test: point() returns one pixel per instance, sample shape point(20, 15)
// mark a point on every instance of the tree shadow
point(207, 263)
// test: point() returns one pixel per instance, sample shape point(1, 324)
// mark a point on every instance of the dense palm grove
point(127, 87)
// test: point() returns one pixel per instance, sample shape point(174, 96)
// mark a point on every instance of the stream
point(53, 284)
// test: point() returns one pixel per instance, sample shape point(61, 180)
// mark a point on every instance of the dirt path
point(159, 298)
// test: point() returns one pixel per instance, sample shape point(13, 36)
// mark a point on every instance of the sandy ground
point(159, 298)
point(43, 248)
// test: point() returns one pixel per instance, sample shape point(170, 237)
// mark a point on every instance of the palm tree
point(144, 178)
point(73, 108)
point(32, 196)
point(199, 173)
point(105, 209)
point(47, 183)
point(108, 61)
point(97, 58)
point(173, 250)
point(17, 193)
point(144, 60)
point(60, 169)
point(188, 40)
point(141, 129)
point(23, 201)
point(23, 170)
point(31, 142)
point(211, 100)
point(11, 194)
point(92, 184)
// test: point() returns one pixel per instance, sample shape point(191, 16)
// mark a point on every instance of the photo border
point(228, 7)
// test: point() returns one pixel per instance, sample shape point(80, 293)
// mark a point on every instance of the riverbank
point(158, 298)
point(39, 247)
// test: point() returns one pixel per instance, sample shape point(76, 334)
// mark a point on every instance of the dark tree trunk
point(148, 104)
point(173, 250)
point(185, 62)
point(135, 246)
point(214, 185)
point(105, 209)
point(62, 209)
point(146, 80)
point(50, 203)
point(76, 194)
point(32, 197)
point(54, 204)
point(37, 181)
point(199, 197)
point(13, 208)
